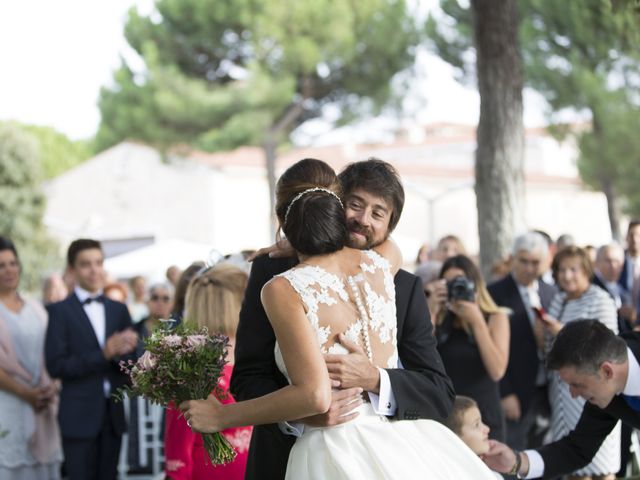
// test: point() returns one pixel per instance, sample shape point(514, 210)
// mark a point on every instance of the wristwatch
point(516, 466)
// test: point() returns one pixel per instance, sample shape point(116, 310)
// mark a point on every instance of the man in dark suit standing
point(602, 368)
point(86, 337)
point(373, 198)
point(608, 267)
point(523, 387)
point(630, 274)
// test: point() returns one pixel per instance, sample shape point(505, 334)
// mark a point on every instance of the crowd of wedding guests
point(59, 364)
point(59, 354)
point(494, 348)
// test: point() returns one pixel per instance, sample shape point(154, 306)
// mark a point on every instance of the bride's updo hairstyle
point(313, 222)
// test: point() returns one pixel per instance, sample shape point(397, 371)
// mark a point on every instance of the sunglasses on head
point(164, 298)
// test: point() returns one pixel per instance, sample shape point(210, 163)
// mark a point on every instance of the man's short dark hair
point(585, 345)
point(78, 246)
point(378, 178)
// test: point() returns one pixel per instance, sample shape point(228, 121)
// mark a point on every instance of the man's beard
point(362, 244)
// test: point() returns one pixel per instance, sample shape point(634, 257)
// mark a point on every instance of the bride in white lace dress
point(336, 290)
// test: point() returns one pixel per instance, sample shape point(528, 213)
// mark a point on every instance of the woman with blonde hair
point(213, 300)
point(473, 338)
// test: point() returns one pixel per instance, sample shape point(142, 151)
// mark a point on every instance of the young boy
point(466, 422)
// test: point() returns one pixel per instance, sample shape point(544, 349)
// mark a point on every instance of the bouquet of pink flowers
point(178, 365)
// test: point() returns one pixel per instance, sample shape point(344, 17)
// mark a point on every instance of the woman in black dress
point(473, 338)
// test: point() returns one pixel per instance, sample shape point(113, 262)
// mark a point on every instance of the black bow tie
point(88, 300)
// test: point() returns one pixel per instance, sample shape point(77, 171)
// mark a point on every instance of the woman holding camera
point(473, 337)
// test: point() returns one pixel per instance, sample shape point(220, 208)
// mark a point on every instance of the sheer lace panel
point(331, 306)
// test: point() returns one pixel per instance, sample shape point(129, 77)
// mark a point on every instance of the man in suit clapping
point(87, 336)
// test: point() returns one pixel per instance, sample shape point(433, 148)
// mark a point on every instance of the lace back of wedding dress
point(369, 445)
point(331, 302)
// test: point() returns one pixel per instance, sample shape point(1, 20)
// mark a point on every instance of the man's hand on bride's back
point(343, 402)
point(282, 248)
point(353, 369)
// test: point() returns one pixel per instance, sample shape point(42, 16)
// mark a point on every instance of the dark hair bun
point(316, 224)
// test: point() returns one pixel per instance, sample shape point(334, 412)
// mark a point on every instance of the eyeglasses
point(164, 298)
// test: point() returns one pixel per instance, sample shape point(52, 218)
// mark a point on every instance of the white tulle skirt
point(372, 447)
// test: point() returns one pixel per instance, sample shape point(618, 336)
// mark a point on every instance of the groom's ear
point(607, 371)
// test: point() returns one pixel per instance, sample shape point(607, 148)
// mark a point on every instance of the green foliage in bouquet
point(178, 365)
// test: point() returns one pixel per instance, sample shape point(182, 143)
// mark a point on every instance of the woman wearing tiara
point(335, 290)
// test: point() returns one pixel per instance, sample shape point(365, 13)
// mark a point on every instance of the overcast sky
point(55, 56)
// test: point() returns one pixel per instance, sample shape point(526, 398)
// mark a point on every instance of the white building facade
point(130, 191)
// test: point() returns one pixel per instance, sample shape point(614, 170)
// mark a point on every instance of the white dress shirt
point(531, 298)
point(384, 403)
point(631, 387)
point(97, 317)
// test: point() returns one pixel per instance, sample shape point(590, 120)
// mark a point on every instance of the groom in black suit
point(86, 337)
point(602, 368)
point(373, 198)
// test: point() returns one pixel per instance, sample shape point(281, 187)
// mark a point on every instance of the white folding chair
point(150, 443)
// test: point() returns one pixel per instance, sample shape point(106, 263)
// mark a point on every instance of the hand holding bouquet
point(180, 365)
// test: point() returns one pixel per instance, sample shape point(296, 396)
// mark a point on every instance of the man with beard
point(373, 198)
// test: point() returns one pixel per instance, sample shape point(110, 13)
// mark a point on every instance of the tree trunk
point(613, 209)
point(606, 180)
point(500, 152)
point(284, 125)
point(270, 152)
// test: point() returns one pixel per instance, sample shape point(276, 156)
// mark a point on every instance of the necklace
point(364, 317)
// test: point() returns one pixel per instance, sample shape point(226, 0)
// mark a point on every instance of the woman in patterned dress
point(213, 300)
point(336, 293)
point(578, 299)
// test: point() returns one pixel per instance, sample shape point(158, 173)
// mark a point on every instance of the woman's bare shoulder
point(277, 286)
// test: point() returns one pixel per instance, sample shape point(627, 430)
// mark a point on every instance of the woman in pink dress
point(213, 300)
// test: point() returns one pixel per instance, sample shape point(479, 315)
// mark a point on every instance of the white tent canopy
point(152, 261)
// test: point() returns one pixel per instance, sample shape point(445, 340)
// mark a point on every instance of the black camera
point(461, 288)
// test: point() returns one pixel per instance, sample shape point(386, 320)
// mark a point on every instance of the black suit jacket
point(625, 299)
point(422, 389)
point(626, 278)
point(72, 354)
point(522, 369)
point(626, 275)
point(576, 450)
